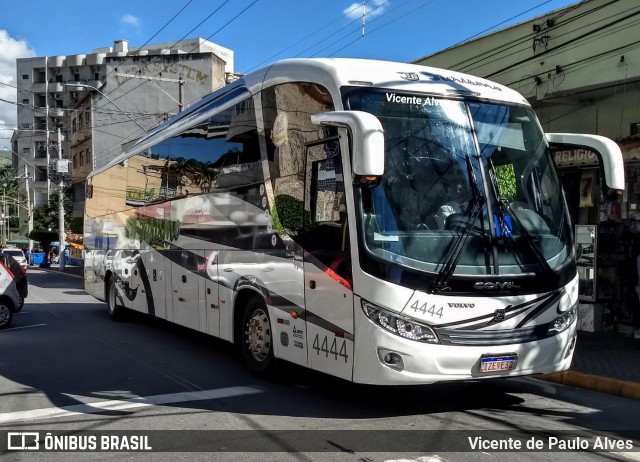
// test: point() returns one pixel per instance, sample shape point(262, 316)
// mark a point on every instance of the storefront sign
point(574, 157)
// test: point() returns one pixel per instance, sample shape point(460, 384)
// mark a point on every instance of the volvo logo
point(508, 285)
point(461, 305)
point(498, 315)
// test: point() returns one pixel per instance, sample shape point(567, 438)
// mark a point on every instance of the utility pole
point(29, 211)
point(180, 94)
point(61, 235)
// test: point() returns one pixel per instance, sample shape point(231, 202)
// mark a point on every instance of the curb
point(56, 271)
point(624, 388)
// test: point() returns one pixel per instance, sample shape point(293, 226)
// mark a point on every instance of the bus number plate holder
point(498, 363)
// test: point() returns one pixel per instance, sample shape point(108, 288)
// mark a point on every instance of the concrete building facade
point(579, 67)
point(83, 108)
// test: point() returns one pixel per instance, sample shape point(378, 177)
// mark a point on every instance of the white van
point(18, 254)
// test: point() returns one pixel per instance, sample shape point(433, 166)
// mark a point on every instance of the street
point(66, 368)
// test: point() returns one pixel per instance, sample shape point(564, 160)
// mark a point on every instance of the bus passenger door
point(212, 303)
point(151, 262)
point(186, 297)
point(327, 262)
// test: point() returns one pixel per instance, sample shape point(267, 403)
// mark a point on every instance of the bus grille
point(492, 337)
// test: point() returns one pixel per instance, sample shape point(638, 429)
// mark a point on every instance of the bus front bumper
point(386, 359)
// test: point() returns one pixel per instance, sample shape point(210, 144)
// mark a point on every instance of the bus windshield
point(469, 187)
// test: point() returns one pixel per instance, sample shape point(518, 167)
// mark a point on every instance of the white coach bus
point(382, 222)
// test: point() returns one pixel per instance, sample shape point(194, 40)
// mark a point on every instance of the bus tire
point(256, 337)
point(6, 314)
point(116, 312)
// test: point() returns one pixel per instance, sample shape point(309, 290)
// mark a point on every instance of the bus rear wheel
point(257, 345)
point(116, 312)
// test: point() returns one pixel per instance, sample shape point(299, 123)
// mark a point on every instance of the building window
point(96, 76)
point(25, 76)
point(59, 78)
point(25, 150)
point(75, 161)
point(25, 101)
point(41, 151)
point(635, 128)
point(81, 160)
point(88, 159)
point(76, 76)
point(59, 103)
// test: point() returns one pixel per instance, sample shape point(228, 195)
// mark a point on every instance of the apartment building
point(84, 108)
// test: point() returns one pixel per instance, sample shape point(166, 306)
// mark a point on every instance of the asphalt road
point(65, 368)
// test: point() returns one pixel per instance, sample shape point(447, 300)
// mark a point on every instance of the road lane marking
point(97, 407)
point(25, 327)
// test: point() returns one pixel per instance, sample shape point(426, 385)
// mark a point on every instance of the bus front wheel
point(257, 346)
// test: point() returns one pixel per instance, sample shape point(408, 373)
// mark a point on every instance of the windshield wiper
point(475, 207)
point(504, 205)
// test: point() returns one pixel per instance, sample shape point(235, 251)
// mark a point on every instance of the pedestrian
point(27, 255)
point(66, 256)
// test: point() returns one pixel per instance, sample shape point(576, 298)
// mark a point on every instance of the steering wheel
point(460, 222)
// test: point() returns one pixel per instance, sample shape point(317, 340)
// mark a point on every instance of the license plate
point(498, 363)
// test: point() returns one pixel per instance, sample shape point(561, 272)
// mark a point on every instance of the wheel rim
point(258, 335)
point(112, 296)
point(5, 314)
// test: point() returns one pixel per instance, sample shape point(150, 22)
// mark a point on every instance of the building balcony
point(76, 60)
point(56, 112)
point(56, 61)
point(56, 87)
point(96, 59)
point(40, 87)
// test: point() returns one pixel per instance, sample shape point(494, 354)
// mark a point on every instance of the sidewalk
point(608, 362)
point(603, 361)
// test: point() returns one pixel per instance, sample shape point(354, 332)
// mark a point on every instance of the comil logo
point(23, 441)
point(496, 285)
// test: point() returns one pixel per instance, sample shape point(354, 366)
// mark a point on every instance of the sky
point(258, 31)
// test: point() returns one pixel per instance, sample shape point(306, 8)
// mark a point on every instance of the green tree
point(506, 177)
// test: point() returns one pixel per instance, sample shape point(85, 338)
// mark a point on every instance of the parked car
point(9, 297)
point(20, 276)
point(18, 254)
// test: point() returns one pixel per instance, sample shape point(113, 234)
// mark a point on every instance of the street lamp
point(84, 85)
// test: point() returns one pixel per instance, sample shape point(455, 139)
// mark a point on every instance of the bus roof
point(335, 73)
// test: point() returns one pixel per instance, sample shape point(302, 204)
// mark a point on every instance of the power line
point(573, 40)
point(305, 38)
point(478, 59)
point(168, 65)
point(382, 26)
point(174, 44)
point(344, 27)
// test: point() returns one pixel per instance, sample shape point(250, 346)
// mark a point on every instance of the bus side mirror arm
point(607, 150)
point(367, 137)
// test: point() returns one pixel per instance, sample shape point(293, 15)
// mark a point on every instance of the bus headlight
point(399, 325)
point(562, 322)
